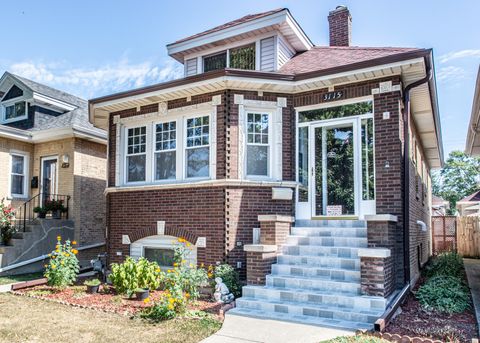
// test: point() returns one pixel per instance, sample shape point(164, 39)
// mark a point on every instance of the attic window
point(215, 62)
point(243, 57)
point(14, 111)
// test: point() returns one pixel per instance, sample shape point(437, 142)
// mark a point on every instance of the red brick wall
point(340, 27)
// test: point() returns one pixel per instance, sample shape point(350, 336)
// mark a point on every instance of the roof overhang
point(52, 134)
point(411, 66)
point(281, 21)
point(472, 146)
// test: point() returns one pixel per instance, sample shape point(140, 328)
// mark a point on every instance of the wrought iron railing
point(41, 206)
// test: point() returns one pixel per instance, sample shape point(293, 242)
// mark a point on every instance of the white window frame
point(25, 174)
point(185, 148)
point(270, 144)
point(155, 151)
point(12, 102)
point(126, 154)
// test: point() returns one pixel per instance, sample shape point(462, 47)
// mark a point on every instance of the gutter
point(406, 168)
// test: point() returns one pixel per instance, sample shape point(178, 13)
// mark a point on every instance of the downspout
point(406, 168)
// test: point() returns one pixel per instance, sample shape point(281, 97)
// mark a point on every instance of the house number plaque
point(330, 96)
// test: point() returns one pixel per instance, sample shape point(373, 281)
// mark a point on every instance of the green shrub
point(92, 282)
point(132, 274)
point(229, 277)
point(444, 294)
point(62, 269)
point(449, 264)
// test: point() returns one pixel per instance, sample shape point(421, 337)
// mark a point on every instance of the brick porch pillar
point(381, 263)
point(274, 230)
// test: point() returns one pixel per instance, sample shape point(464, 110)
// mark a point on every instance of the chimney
point(340, 25)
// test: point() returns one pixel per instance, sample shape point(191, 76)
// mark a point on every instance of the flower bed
point(435, 310)
point(107, 300)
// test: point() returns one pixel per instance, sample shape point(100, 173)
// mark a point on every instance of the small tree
point(458, 178)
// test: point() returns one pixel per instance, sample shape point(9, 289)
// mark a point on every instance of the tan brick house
point(305, 167)
point(49, 150)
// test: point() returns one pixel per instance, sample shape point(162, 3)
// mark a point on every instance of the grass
point(4, 280)
point(356, 339)
point(33, 320)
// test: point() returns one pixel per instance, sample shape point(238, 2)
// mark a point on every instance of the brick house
point(49, 150)
point(272, 149)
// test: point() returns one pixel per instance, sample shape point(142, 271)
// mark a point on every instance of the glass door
point(49, 177)
point(335, 167)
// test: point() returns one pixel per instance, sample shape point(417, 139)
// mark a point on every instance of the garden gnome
point(222, 294)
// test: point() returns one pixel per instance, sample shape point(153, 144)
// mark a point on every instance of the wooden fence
point(460, 234)
point(468, 236)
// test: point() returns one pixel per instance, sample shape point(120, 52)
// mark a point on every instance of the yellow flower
point(209, 275)
point(59, 238)
point(62, 263)
point(183, 261)
point(171, 300)
point(75, 251)
point(74, 242)
point(170, 307)
point(191, 265)
point(157, 270)
point(54, 266)
point(188, 244)
point(53, 257)
point(187, 295)
point(175, 264)
point(146, 300)
point(169, 271)
point(202, 265)
point(67, 255)
point(49, 255)
point(45, 265)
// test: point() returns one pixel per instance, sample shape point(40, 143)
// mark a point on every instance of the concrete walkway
point(239, 329)
point(472, 267)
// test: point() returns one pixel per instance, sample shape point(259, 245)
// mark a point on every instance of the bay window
point(165, 151)
point(136, 156)
point(18, 176)
point(197, 148)
point(258, 145)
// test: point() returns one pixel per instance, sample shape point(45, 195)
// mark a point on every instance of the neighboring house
point(470, 205)
point(267, 129)
point(49, 150)
point(440, 206)
point(472, 146)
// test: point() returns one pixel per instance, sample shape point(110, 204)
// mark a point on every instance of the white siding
point(284, 52)
point(191, 67)
point(267, 54)
point(159, 241)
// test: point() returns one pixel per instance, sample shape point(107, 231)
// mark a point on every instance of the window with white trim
point(258, 144)
point(165, 150)
point(18, 176)
point(136, 157)
point(14, 110)
point(197, 147)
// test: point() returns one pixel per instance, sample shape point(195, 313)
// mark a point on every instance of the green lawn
point(4, 280)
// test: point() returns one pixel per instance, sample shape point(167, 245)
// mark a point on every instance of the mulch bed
point(107, 300)
point(414, 321)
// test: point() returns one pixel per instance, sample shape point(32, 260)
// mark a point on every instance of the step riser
point(360, 302)
point(318, 261)
point(296, 310)
point(328, 241)
point(329, 232)
point(336, 275)
point(343, 252)
point(313, 284)
point(331, 223)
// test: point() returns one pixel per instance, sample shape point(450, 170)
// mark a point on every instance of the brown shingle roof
point(232, 23)
point(320, 57)
point(472, 197)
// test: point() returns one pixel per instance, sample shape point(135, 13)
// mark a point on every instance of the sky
point(92, 48)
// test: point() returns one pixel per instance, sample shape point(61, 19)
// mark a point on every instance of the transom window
point(198, 147)
point(136, 154)
point(165, 151)
point(258, 144)
point(18, 176)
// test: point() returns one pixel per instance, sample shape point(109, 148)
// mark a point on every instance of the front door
point(335, 169)
point(49, 177)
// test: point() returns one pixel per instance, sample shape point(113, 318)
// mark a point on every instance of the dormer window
point(243, 57)
point(13, 111)
point(215, 62)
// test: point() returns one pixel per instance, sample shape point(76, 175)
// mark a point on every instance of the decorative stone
point(222, 294)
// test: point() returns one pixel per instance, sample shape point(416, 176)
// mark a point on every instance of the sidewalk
point(472, 268)
point(239, 329)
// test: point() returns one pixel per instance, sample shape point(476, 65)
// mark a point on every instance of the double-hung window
point(197, 147)
point(18, 177)
point(136, 156)
point(258, 145)
point(165, 150)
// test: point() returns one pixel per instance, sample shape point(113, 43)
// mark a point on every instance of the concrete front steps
point(317, 279)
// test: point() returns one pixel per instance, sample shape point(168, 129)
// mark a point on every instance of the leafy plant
point(132, 274)
point(229, 277)
point(7, 214)
point(92, 282)
point(7, 231)
point(39, 210)
point(54, 205)
point(167, 308)
point(444, 294)
point(62, 269)
point(449, 264)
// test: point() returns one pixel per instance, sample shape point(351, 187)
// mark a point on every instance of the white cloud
point(454, 55)
point(91, 82)
point(451, 74)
